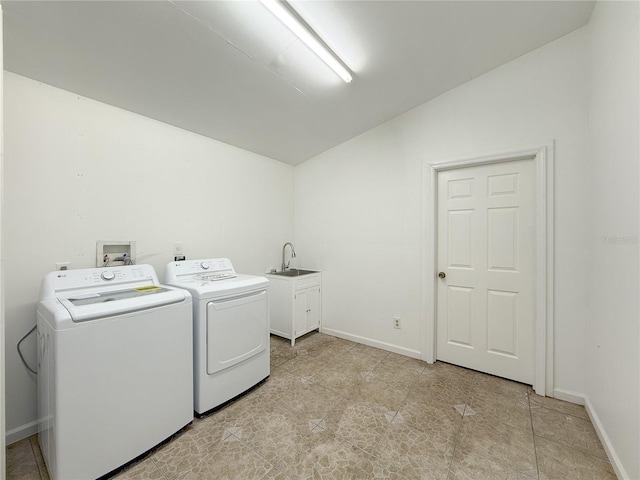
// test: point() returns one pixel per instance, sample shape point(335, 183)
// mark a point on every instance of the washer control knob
point(205, 265)
point(108, 275)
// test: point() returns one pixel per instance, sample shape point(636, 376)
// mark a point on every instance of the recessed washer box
point(113, 249)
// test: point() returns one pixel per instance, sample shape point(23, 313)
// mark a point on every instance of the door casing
point(542, 157)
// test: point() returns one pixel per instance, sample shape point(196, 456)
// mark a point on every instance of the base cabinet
point(296, 305)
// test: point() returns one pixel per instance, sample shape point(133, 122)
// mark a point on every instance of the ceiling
point(230, 71)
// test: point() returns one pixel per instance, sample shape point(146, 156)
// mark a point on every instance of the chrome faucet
point(293, 255)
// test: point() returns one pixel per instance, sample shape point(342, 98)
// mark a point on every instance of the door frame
point(3, 462)
point(543, 158)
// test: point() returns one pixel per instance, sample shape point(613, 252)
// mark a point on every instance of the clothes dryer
point(231, 328)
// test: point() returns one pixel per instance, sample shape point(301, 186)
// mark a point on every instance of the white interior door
point(485, 318)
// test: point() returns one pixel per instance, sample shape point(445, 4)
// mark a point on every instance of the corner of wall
point(617, 465)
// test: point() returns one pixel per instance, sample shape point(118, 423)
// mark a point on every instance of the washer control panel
point(108, 275)
point(92, 277)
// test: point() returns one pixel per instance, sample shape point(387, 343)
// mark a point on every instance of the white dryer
point(231, 328)
point(115, 367)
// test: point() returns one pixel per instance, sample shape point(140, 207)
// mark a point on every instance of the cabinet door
point(300, 312)
point(313, 308)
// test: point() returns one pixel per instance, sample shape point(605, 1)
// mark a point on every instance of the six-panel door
point(485, 249)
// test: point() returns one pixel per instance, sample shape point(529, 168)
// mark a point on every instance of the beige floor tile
point(229, 460)
point(470, 466)
point(146, 469)
point(314, 339)
point(308, 438)
point(536, 401)
point(355, 360)
point(376, 353)
point(372, 468)
point(327, 397)
point(339, 380)
point(489, 383)
point(568, 430)
point(404, 376)
point(280, 354)
point(415, 454)
point(451, 392)
point(359, 423)
point(439, 372)
point(561, 462)
point(444, 374)
point(332, 459)
point(184, 452)
point(275, 474)
point(500, 442)
point(301, 396)
point(494, 407)
point(23, 471)
point(337, 346)
point(20, 452)
point(398, 360)
point(42, 468)
point(276, 434)
point(278, 387)
point(430, 417)
point(276, 372)
point(372, 390)
point(306, 363)
point(219, 425)
point(21, 462)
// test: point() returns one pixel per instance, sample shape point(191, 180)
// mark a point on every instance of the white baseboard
point(373, 343)
point(606, 443)
point(19, 433)
point(569, 396)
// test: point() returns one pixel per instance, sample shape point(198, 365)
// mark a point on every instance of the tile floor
point(333, 409)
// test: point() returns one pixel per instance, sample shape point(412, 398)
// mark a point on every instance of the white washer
point(115, 367)
point(231, 328)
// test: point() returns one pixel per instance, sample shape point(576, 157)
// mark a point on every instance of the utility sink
point(294, 273)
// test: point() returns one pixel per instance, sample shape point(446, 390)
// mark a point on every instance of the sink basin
point(294, 273)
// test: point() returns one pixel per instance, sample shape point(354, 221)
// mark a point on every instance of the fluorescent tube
point(302, 32)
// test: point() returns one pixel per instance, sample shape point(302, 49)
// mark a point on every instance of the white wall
point(613, 316)
point(78, 171)
point(358, 206)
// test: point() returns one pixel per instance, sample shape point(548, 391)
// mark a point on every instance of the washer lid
point(84, 306)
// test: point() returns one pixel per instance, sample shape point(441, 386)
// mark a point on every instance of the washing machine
point(115, 374)
point(231, 328)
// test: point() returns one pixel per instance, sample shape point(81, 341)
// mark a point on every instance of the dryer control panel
point(207, 269)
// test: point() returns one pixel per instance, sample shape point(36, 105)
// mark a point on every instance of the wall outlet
point(63, 266)
point(178, 248)
point(396, 322)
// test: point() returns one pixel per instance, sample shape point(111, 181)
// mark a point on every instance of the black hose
point(20, 353)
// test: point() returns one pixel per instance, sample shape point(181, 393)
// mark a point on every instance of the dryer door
point(237, 329)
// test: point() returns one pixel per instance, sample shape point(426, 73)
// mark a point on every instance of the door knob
point(442, 274)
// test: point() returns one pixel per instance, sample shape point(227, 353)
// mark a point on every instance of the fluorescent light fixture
point(308, 37)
